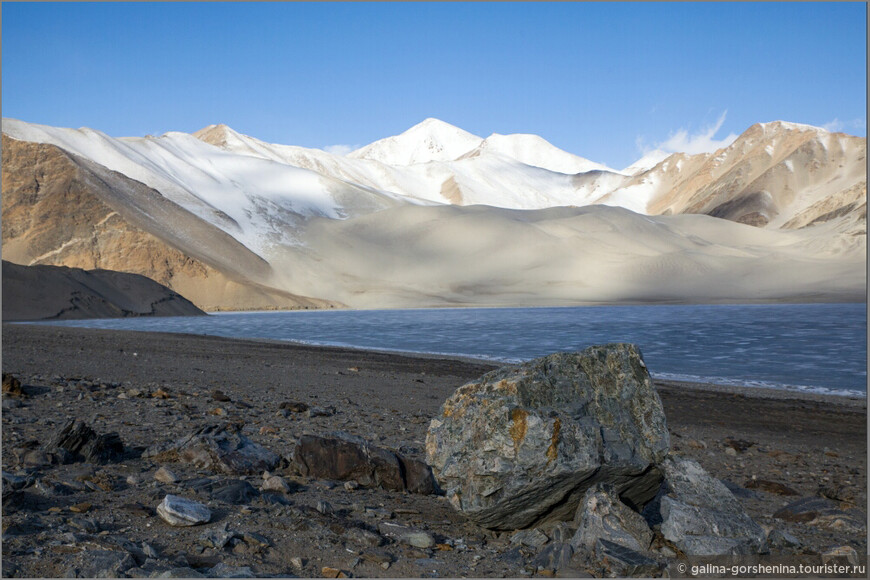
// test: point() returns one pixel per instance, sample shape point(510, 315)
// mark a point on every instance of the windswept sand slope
point(59, 293)
point(438, 256)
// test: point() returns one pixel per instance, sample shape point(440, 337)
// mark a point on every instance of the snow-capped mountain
point(430, 217)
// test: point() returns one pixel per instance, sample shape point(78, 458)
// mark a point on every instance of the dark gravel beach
point(773, 447)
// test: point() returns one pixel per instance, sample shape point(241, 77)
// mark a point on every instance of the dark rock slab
point(84, 444)
point(521, 445)
point(232, 491)
point(346, 457)
point(770, 486)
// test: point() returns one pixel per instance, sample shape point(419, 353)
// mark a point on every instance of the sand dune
point(441, 256)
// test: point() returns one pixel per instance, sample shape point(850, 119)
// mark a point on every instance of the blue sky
point(602, 80)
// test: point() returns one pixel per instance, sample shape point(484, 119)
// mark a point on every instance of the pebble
point(275, 483)
point(179, 511)
point(166, 476)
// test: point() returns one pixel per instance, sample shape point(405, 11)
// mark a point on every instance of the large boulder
point(522, 444)
point(700, 515)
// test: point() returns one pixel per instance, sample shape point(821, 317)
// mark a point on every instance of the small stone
point(179, 511)
point(80, 508)
point(782, 539)
point(12, 386)
point(219, 396)
point(841, 554)
point(150, 551)
point(379, 513)
point(166, 476)
point(160, 393)
point(324, 507)
point(275, 483)
point(320, 412)
point(134, 479)
point(416, 538)
point(731, 452)
point(351, 485)
point(329, 572)
point(222, 570)
point(297, 562)
point(364, 537)
point(294, 407)
point(769, 486)
point(267, 430)
point(220, 412)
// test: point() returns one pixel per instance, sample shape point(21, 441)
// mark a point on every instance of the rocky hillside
point(60, 293)
point(60, 209)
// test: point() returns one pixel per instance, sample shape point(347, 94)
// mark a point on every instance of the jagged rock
point(83, 443)
point(530, 538)
point(700, 516)
point(823, 512)
point(217, 448)
point(521, 445)
point(347, 457)
point(179, 511)
point(602, 515)
point(217, 538)
point(782, 539)
point(624, 562)
point(556, 556)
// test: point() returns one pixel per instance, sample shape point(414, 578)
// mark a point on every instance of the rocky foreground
point(131, 454)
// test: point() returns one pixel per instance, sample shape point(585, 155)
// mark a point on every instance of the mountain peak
point(429, 140)
point(218, 135)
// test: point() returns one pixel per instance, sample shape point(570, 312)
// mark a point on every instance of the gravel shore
point(798, 445)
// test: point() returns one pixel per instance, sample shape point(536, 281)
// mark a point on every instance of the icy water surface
point(815, 347)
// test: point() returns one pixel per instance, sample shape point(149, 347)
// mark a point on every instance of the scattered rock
point(522, 444)
point(778, 539)
point(414, 537)
point(531, 538)
point(602, 515)
point(769, 486)
point(179, 511)
point(232, 491)
point(320, 412)
point(166, 476)
point(294, 407)
point(12, 387)
point(218, 448)
point(325, 507)
point(738, 445)
point(363, 537)
point(83, 443)
point(738, 491)
point(102, 564)
point(138, 509)
point(624, 562)
point(217, 538)
point(824, 513)
point(80, 508)
point(699, 515)
point(274, 483)
point(842, 555)
point(223, 571)
point(219, 396)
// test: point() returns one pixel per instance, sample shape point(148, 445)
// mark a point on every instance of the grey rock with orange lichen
point(521, 445)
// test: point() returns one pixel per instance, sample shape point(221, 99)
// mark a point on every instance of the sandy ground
point(805, 442)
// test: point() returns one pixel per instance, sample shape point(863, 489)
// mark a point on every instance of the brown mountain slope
point(60, 209)
point(60, 293)
point(773, 173)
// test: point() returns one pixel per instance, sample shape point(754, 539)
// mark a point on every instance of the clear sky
point(602, 80)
